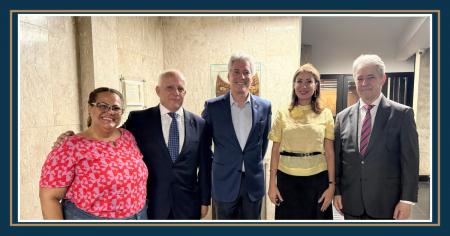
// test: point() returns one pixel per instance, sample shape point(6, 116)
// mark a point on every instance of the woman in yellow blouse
point(302, 163)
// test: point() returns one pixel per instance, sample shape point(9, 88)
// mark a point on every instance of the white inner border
point(331, 222)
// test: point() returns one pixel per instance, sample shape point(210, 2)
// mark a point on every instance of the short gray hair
point(171, 73)
point(243, 57)
point(369, 59)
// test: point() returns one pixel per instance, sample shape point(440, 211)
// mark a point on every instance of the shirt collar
point(165, 111)
point(232, 102)
point(374, 103)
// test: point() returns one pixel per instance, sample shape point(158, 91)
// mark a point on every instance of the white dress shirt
point(242, 121)
point(165, 124)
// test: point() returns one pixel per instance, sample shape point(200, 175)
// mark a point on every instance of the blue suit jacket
point(228, 155)
point(175, 186)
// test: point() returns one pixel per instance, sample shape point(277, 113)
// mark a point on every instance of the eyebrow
point(108, 104)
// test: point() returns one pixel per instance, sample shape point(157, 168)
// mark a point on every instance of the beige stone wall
point(49, 100)
point(423, 113)
point(64, 58)
point(192, 44)
point(140, 52)
point(127, 47)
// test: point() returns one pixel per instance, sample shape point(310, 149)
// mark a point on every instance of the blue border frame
point(437, 85)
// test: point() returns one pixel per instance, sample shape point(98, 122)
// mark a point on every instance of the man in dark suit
point(175, 189)
point(238, 123)
point(377, 150)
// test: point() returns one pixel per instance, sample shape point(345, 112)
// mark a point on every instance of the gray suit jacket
point(389, 171)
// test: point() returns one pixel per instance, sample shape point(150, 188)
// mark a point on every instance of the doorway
point(338, 91)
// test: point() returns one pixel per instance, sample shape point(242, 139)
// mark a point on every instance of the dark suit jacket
point(173, 186)
point(228, 155)
point(388, 172)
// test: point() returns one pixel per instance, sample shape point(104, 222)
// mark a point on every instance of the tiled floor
point(420, 211)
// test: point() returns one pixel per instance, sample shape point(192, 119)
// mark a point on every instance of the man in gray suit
point(377, 150)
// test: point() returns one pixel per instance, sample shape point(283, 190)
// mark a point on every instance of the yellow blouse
point(303, 131)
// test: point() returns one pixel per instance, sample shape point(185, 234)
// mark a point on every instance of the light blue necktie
point(174, 137)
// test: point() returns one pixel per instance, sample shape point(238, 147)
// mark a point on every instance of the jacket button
point(362, 162)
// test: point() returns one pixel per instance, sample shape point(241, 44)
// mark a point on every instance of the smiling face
point(240, 77)
point(171, 91)
point(304, 87)
point(369, 82)
point(106, 118)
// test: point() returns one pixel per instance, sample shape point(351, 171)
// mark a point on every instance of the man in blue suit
point(238, 124)
point(179, 183)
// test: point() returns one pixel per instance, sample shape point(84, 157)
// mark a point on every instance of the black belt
point(297, 154)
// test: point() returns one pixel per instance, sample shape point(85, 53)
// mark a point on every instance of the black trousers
point(300, 197)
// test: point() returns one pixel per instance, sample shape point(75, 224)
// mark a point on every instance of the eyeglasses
point(106, 107)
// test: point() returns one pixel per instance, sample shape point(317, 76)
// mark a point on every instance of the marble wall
point(423, 113)
point(120, 47)
point(49, 97)
point(62, 59)
point(192, 44)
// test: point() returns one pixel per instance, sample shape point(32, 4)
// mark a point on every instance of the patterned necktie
point(366, 130)
point(174, 139)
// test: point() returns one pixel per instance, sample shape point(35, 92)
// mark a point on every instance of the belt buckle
point(306, 154)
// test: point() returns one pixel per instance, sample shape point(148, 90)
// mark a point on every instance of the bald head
point(172, 73)
point(171, 89)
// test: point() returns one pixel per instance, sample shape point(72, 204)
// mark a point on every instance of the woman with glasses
point(302, 163)
point(99, 173)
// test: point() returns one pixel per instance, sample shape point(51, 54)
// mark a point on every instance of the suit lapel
point(354, 119)
point(188, 131)
point(379, 124)
point(156, 116)
point(226, 107)
point(255, 117)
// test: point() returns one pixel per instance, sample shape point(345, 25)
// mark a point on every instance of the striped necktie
point(366, 130)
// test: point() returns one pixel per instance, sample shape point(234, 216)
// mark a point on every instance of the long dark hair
point(93, 98)
point(316, 104)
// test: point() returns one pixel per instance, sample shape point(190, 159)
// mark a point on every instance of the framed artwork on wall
point(133, 92)
point(220, 84)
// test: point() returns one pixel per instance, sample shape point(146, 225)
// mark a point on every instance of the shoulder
point(397, 106)
point(261, 101)
point(141, 116)
point(217, 99)
point(284, 111)
point(144, 112)
point(191, 116)
point(69, 144)
point(327, 112)
point(346, 111)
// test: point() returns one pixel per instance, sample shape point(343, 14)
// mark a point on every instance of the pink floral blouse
point(102, 179)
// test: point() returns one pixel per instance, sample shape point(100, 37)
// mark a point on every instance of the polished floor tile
point(420, 211)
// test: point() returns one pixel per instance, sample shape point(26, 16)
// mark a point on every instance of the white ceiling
point(344, 38)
